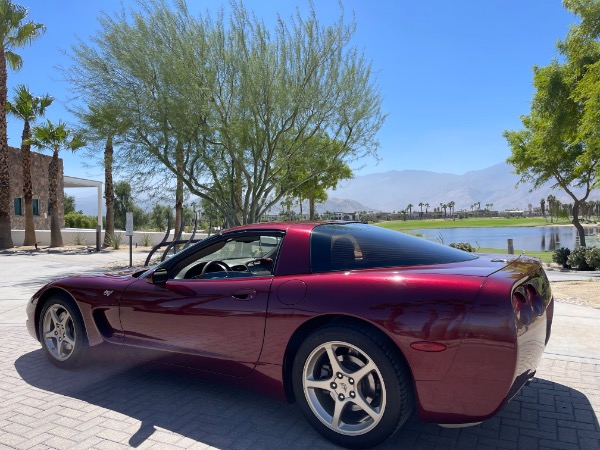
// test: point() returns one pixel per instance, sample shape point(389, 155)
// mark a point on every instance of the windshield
point(245, 248)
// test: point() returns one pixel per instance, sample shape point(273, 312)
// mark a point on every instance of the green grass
point(474, 222)
point(546, 257)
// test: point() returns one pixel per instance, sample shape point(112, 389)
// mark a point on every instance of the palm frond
point(15, 62)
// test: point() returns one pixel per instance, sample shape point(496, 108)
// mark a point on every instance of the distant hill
point(394, 190)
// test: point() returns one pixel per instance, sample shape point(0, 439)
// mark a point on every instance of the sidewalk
point(118, 404)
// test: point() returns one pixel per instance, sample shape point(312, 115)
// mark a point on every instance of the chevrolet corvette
point(358, 324)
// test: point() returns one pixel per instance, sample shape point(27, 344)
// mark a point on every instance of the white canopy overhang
point(73, 182)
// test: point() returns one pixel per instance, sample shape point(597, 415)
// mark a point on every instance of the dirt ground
point(586, 293)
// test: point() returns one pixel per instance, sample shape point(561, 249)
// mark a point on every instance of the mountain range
point(394, 190)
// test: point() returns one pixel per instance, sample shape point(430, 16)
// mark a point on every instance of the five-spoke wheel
point(61, 332)
point(351, 386)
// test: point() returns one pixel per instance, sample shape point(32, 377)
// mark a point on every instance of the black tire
point(62, 333)
point(384, 389)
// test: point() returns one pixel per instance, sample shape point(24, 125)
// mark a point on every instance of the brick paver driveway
point(116, 403)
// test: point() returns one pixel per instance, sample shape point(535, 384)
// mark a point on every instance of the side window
point(36, 206)
point(238, 256)
point(18, 206)
point(335, 247)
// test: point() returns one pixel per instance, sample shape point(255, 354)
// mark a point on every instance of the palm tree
point(55, 137)
point(28, 108)
point(444, 207)
point(409, 209)
point(451, 206)
point(551, 202)
point(103, 123)
point(421, 206)
point(13, 34)
point(543, 207)
point(426, 207)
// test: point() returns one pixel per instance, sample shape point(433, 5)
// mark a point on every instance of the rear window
point(359, 246)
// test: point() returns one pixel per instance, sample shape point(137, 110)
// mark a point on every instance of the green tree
point(14, 33)
point(228, 105)
point(55, 137)
point(560, 139)
point(103, 124)
point(123, 203)
point(28, 108)
point(159, 217)
point(69, 204)
point(310, 184)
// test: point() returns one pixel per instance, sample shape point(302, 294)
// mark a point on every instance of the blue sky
point(453, 74)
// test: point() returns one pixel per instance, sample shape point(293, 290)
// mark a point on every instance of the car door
point(215, 324)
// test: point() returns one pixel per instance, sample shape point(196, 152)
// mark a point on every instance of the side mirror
point(160, 276)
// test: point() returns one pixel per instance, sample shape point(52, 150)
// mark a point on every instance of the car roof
point(284, 226)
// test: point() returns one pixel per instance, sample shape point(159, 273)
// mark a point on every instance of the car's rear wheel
point(352, 386)
point(62, 333)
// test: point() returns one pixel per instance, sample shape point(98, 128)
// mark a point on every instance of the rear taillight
point(522, 307)
point(528, 300)
point(535, 299)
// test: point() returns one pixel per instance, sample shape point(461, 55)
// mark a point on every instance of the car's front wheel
point(352, 386)
point(62, 333)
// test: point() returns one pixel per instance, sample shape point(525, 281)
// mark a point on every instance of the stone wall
point(39, 178)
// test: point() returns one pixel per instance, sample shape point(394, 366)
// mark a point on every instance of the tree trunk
point(178, 191)
point(27, 187)
point(311, 207)
point(109, 193)
point(578, 226)
point(55, 235)
point(5, 200)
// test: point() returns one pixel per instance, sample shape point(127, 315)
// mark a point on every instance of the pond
point(524, 238)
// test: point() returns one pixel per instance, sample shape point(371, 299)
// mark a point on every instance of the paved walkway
point(117, 404)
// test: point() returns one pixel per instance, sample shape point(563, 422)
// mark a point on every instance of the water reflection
point(524, 238)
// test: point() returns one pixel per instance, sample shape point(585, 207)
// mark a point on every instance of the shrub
point(77, 220)
point(577, 259)
point(114, 240)
point(147, 240)
point(464, 246)
point(592, 257)
point(79, 240)
point(561, 256)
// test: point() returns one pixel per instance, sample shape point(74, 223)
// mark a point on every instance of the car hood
point(114, 281)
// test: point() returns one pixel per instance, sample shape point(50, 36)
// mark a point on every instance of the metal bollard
point(511, 249)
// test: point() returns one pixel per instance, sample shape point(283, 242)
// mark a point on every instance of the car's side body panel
point(220, 320)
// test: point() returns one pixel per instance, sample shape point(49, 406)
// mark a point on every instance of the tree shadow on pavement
point(543, 415)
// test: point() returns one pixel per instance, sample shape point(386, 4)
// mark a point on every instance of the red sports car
point(356, 323)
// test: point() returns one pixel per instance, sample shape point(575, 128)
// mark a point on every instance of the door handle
point(244, 294)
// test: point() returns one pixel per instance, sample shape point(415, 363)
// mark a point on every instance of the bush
point(114, 241)
point(77, 220)
point(561, 256)
point(464, 246)
point(79, 240)
point(592, 257)
point(577, 259)
point(147, 240)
